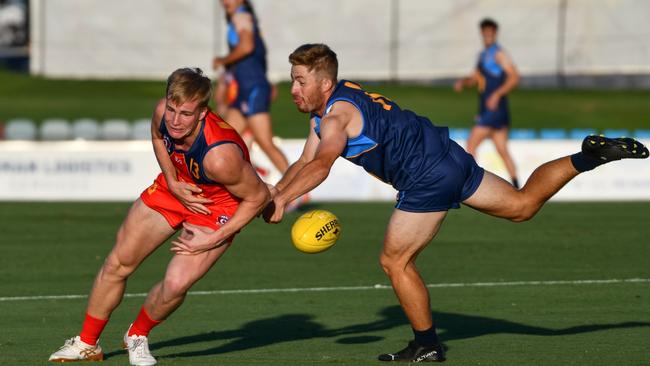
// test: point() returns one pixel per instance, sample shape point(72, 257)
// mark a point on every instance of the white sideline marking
point(350, 288)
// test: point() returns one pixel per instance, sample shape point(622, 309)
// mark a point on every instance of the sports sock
point(426, 338)
point(143, 324)
point(584, 163)
point(91, 329)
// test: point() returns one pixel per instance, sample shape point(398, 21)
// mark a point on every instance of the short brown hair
point(316, 56)
point(189, 84)
point(488, 23)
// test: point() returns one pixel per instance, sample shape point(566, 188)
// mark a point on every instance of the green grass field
point(38, 98)
point(54, 249)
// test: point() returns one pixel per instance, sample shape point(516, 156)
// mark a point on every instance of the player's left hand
point(493, 102)
point(194, 240)
point(190, 196)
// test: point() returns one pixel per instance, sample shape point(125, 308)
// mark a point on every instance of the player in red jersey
point(206, 152)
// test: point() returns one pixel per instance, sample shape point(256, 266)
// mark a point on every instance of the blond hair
point(316, 56)
point(189, 84)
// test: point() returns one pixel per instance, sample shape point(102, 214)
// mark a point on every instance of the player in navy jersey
point(431, 172)
point(495, 75)
point(248, 92)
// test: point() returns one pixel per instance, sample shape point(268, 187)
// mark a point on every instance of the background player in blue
point(496, 76)
point(248, 85)
point(431, 172)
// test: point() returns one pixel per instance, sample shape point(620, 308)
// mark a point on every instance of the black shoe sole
point(608, 149)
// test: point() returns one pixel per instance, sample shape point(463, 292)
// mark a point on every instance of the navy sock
point(584, 163)
point(426, 338)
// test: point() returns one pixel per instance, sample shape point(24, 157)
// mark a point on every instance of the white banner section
point(118, 171)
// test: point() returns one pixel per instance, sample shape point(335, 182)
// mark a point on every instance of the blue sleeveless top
point(492, 73)
point(395, 145)
point(251, 69)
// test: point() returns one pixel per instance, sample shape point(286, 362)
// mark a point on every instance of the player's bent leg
point(407, 235)
point(166, 296)
point(182, 273)
point(143, 230)
point(260, 124)
point(496, 197)
point(499, 198)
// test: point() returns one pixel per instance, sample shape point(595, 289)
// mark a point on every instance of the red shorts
point(158, 198)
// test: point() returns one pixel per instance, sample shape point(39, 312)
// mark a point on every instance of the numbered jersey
point(395, 145)
point(189, 164)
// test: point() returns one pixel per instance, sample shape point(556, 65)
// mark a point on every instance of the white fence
point(118, 171)
point(375, 39)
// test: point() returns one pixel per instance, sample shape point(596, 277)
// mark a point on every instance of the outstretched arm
point(225, 164)
point(308, 153)
point(333, 139)
point(186, 193)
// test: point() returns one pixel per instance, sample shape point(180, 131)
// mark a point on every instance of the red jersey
point(189, 164)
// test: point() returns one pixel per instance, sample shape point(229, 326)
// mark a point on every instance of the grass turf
point(56, 248)
point(38, 98)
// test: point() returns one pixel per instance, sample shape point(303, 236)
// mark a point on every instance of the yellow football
point(315, 231)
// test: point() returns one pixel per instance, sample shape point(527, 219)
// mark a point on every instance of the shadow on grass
point(296, 327)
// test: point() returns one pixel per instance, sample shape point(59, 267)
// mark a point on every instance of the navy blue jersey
point(493, 74)
point(492, 77)
point(251, 69)
point(395, 145)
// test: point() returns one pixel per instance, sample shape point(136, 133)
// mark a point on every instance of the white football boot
point(76, 350)
point(138, 347)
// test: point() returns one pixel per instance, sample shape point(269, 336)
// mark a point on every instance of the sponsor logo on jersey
point(168, 144)
point(152, 188)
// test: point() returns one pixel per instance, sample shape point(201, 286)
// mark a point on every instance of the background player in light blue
point(431, 172)
point(248, 88)
point(495, 75)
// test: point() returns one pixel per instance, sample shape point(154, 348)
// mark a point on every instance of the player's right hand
point(189, 195)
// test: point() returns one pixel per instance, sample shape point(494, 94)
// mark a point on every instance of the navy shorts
point(253, 99)
point(498, 118)
point(452, 181)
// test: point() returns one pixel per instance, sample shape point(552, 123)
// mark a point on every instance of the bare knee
point(118, 266)
point(391, 264)
point(115, 269)
point(521, 217)
point(174, 287)
point(523, 211)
